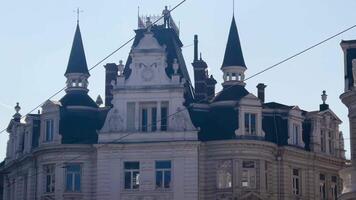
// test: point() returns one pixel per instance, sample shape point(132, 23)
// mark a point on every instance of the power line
point(112, 53)
point(98, 63)
point(256, 74)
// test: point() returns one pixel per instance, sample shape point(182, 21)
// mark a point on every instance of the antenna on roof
point(233, 7)
point(138, 11)
point(78, 11)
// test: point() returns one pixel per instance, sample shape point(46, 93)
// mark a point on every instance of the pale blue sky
point(36, 37)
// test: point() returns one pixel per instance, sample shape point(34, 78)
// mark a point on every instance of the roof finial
point(233, 7)
point(78, 11)
point(324, 96)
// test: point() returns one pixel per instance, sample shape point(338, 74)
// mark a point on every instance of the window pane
point(136, 179)
point(159, 178)
point(144, 119)
point(248, 164)
point(163, 164)
point(77, 182)
point(154, 119)
point(127, 180)
point(167, 179)
point(73, 168)
point(48, 183)
point(132, 165)
point(164, 115)
point(69, 184)
point(253, 124)
point(247, 123)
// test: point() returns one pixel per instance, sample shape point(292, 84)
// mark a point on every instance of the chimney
point(210, 90)
point(195, 48)
point(111, 70)
point(261, 92)
point(200, 74)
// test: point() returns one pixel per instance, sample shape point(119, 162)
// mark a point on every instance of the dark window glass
point(144, 120)
point(154, 119)
point(127, 180)
point(73, 178)
point(164, 115)
point(167, 179)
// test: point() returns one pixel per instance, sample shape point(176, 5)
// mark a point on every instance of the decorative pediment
point(331, 114)
point(148, 42)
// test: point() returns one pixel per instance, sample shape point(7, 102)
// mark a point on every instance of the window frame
point(248, 130)
point(251, 178)
point(49, 131)
point(164, 171)
point(49, 188)
point(225, 170)
point(150, 123)
point(73, 189)
point(297, 182)
point(296, 133)
point(132, 178)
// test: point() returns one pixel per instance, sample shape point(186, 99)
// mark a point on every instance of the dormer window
point(322, 141)
point(250, 124)
point(331, 143)
point(49, 130)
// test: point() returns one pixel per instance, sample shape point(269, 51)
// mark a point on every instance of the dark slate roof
point(233, 53)
point(78, 98)
point(77, 62)
point(274, 105)
point(231, 93)
point(169, 38)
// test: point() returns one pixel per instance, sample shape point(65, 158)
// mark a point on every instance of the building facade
point(159, 138)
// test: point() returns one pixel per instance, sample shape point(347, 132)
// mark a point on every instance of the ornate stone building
point(158, 137)
point(349, 99)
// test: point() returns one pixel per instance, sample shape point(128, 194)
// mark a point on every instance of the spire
point(233, 53)
point(77, 62)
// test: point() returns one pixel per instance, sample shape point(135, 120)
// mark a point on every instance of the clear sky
point(36, 37)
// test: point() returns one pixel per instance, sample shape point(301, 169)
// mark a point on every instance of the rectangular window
point(50, 178)
point(331, 143)
point(322, 187)
point(163, 174)
point(148, 112)
point(131, 116)
point(132, 175)
point(73, 178)
point(224, 174)
point(49, 130)
point(333, 188)
point(248, 176)
point(164, 116)
point(250, 124)
point(296, 133)
point(322, 141)
point(296, 182)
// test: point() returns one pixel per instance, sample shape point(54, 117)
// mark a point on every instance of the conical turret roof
point(77, 62)
point(233, 53)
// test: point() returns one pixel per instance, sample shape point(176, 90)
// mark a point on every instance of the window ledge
point(47, 196)
point(72, 195)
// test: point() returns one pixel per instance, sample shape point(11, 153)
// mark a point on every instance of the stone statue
point(166, 14)
point(114, 122)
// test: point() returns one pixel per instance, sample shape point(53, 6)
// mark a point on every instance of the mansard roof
point(233, 52)
point(77, 62)
point(78, 98)
point(231, 93)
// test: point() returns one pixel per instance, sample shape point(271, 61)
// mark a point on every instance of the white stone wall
point(184, 159)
